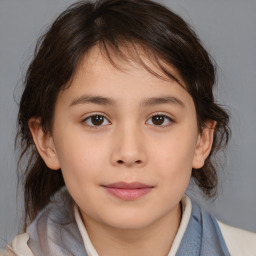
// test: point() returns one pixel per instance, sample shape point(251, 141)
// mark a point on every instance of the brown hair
point(117, 26)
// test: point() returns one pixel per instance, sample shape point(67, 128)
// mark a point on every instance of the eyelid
point(95, 114)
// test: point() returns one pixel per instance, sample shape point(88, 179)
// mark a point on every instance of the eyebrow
point(105, 101)
point(162, 100)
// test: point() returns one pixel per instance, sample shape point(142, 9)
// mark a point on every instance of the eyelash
point(99, 126)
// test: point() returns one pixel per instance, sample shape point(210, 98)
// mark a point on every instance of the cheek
point(174, 159)
point(78, 157)
point(176, 151)
point(81, 172)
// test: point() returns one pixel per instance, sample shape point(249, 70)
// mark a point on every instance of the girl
point(116, 117)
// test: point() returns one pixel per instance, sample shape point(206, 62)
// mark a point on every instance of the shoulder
point(238, 241)
point(18, 247)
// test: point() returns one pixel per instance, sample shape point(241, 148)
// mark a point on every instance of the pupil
point(97, 120)
point(158, 120)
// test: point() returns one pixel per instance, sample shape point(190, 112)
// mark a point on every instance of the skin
point(128, 146)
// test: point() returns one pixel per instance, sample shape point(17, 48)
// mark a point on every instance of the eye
point(160, 120)
point(95, 120)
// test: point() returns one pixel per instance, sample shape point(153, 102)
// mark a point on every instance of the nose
point(128, 148)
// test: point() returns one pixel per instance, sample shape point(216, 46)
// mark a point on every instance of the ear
point(204, 144)
point(44, 144)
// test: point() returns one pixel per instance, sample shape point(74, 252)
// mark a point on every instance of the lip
point(128, 191)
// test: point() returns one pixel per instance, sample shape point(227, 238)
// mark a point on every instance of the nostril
point(128, 162)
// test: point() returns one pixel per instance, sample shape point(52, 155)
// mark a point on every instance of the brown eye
point(160, 120)
point(95, 120)
point(157, 120)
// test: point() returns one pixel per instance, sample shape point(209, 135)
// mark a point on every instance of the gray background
point(227, 29)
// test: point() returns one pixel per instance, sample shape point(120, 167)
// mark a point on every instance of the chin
point(129, 222)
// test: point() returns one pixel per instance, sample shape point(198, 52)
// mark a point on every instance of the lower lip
point(128, 194)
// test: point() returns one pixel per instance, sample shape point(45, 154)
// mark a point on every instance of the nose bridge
point(129, 145)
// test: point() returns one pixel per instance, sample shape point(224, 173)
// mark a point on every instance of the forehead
point(124, 78)
point(129, 55)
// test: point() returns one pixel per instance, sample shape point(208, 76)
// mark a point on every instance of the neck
point(155, 239)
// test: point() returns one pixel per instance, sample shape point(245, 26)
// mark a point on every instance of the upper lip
point(125, 185)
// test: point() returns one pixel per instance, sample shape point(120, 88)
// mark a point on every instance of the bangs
point(123, 53)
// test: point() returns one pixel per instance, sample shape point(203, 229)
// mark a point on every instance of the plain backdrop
point(227, 30)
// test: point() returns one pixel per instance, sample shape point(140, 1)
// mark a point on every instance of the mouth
point(128, 191)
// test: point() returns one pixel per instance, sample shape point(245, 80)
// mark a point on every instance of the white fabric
point(239, 241)
point(19, 246)
point(87, 242)
point(186, 212)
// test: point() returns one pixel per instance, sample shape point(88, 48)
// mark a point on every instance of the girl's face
point(126, 142)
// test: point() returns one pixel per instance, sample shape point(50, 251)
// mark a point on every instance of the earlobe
point(204, 144)
point(44, 144)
